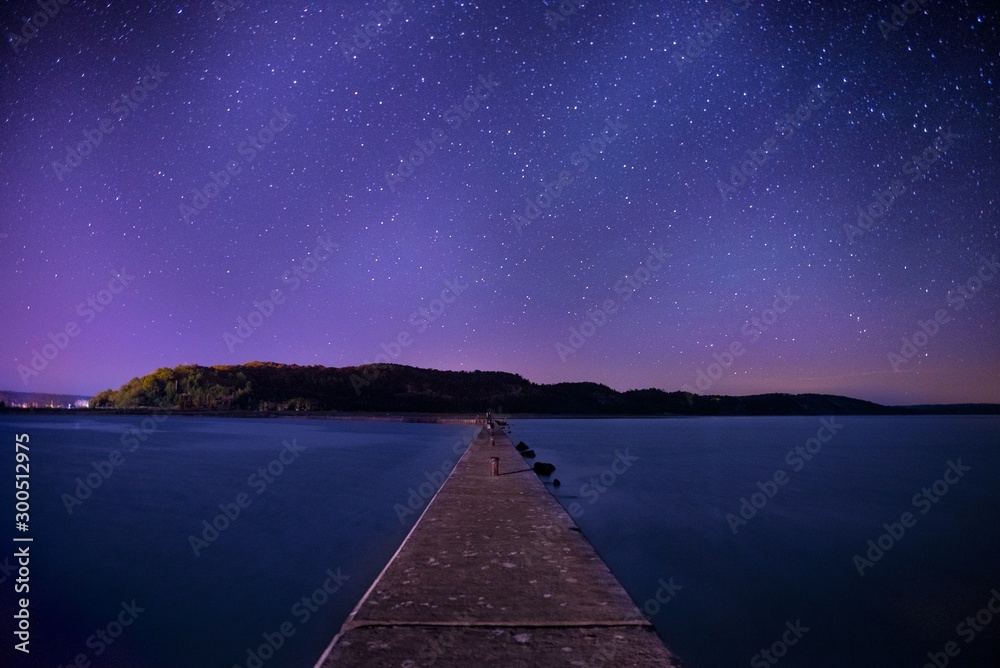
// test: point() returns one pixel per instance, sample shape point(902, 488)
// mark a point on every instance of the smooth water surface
point(653, 496)
point(664, 515)
point(329, 508)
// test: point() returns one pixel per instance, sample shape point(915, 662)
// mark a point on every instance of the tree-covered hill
point(265, 386)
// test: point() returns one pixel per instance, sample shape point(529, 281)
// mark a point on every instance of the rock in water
point(543, 468)
point(521, 447)
point(530, 454)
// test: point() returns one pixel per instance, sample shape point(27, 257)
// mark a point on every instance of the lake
point(224, 532)
point(661, 525)
point(328, 507)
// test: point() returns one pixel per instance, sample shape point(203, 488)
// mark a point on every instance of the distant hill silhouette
point(393, 388)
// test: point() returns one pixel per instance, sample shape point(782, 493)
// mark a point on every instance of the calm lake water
point(652, 495)
point(664, 516)
point(329, 508)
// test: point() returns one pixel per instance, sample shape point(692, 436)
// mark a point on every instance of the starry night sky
point(554, 163)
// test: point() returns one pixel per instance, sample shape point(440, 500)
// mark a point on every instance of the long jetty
point(495, 573)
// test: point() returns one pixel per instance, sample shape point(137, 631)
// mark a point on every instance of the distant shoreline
point(397, 392)
point(323, 415)
point(467, 418)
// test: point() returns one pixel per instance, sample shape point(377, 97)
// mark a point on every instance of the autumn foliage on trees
point(393, 388)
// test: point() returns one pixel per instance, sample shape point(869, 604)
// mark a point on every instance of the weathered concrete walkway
point(495, 573)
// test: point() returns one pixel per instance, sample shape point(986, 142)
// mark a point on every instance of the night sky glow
point(733, 196)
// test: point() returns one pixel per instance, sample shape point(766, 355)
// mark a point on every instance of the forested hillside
point(265, 386)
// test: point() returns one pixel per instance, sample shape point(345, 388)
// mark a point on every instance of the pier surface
point(495, 573)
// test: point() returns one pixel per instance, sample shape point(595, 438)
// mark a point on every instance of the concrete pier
point(495, 573)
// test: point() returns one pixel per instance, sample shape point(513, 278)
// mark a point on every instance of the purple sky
point(673, 169)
